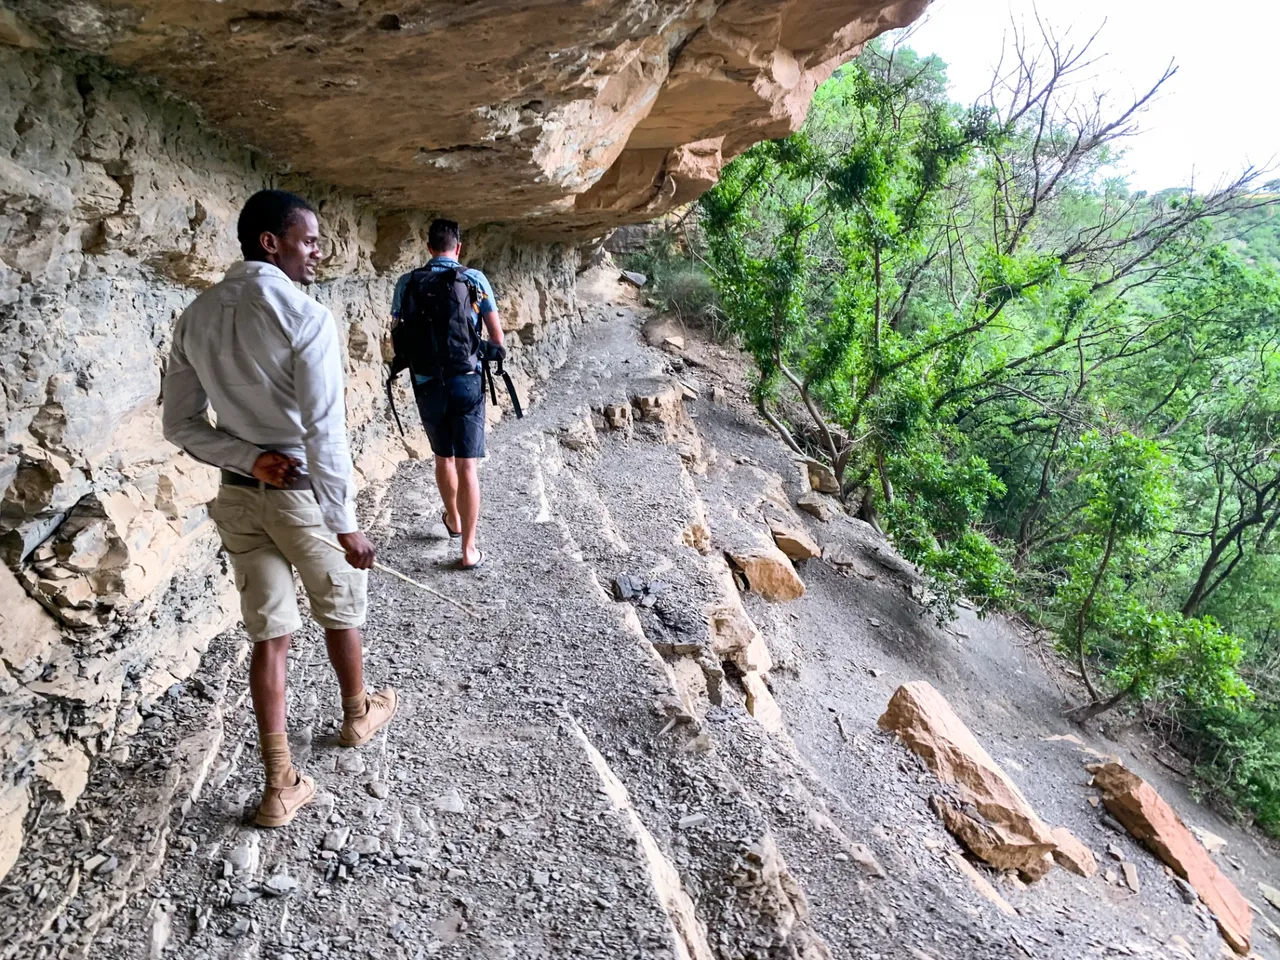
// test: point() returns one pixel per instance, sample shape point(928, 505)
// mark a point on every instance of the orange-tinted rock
point(984, 808)
point(793, 541)
point(1073, 855)
point(574, 117)
point(768, 572)
point(1146, 815)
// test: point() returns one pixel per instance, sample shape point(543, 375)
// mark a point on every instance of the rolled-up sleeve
point(184, 415)
point(318, 380)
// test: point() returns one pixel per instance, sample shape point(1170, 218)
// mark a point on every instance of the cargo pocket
point(348, 598)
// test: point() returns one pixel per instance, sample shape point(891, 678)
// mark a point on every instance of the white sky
point(1220, 112)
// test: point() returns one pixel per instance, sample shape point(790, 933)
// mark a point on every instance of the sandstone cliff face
point(561, 117)
point(116, 206)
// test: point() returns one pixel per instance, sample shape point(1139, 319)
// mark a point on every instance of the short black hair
point(443, 235)
point(267, 211)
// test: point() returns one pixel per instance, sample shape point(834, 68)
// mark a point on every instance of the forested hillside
point(1057, 395)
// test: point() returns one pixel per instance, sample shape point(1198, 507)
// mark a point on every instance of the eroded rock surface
point(985, 809)
point(1146, 815)
point(116, 207)
point(558, 116)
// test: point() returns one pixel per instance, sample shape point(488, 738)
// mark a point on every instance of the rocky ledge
point(559, 117)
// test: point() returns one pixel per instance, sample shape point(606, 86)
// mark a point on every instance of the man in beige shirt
point(265, 357)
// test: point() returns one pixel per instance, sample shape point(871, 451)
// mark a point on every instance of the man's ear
point(457, 251)
point(269, 242)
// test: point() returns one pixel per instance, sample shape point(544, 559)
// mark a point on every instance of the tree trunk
point(1082, 615)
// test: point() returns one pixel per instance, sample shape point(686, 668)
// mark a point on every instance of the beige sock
point(276, 759)
point(353, 708)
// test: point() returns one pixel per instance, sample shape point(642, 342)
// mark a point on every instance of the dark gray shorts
point(452, 413)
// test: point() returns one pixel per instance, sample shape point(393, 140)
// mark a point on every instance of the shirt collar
point(255, 268)
point(444, 261)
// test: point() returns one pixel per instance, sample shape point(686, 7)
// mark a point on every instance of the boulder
point(815, 506)
point(1073, 855)
point(793, 541)
point(983, 807)
point(768, 572)
point(822, 478)
point(1146, 815)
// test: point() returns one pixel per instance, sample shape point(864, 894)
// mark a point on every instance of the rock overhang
point(560, 119)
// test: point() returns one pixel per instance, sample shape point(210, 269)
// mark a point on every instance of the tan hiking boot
point(281, 804)
point(378, 709)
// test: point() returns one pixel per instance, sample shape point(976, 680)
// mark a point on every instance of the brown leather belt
point(232, 479)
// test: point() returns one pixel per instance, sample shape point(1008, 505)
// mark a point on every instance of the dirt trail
point(575, 775)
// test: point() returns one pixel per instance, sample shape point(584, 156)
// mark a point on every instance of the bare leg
point(447, 481)
point(468, 507)
point(347, 657)
point(268, 668)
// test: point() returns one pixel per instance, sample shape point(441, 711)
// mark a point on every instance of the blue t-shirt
point(488, 303)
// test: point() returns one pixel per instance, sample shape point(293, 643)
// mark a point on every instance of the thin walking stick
point(396, 573)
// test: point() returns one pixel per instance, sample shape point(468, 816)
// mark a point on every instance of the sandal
point(453, 534)
point(480, 562)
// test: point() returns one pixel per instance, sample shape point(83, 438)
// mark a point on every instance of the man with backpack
point(266, 358)
point(440, 310)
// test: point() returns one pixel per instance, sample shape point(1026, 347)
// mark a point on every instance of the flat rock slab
point(984, 808)
point(1146, 815)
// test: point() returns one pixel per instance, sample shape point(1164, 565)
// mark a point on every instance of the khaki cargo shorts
point(268, 535)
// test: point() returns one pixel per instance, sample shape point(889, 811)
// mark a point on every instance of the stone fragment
point(631, 276)
point(1270, 893)
point(244, 857)
point(980, 883)
point(822, 478)
point(377, 789)
point(449, 802)
point(692, 820)
point(336, 839)
point(760, 703)
point(280, 885)
point(1211, 841)
point(366, 846)
point(815, 505)
point(91, 865)
point(1130, 875)
point(352, 763)
point(65, 767)
point(675, 344)
point(1151, 820)
point(1071, 854)
point(983, 808)
point(110, 866)
point(793, 541)
point(768, 572)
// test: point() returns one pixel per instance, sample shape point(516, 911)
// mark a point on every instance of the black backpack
point(437, 334)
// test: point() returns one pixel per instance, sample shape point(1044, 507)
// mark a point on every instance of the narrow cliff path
point(590, 769)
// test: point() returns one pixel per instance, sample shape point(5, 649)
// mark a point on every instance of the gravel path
point(574, 775)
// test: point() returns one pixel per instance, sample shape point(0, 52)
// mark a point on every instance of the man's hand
point(276, 469)
point(359, 549)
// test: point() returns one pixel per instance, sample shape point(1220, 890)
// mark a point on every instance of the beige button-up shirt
point(265, 357)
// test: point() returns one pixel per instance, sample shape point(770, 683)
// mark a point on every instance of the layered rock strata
point(116, 207)
point(562, 117)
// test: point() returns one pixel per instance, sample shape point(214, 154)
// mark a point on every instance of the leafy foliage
point(1050, 391)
